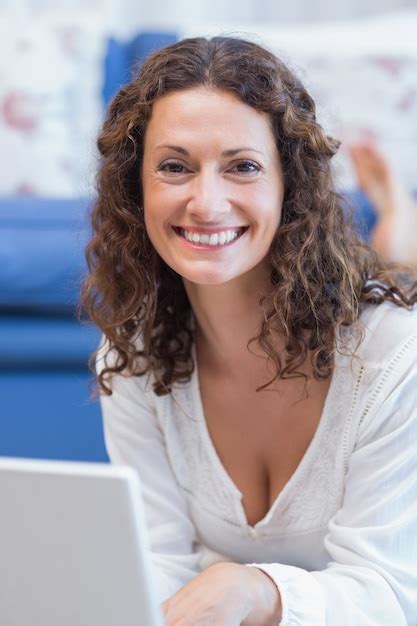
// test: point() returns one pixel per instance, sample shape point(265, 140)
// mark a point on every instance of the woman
point(258, 366)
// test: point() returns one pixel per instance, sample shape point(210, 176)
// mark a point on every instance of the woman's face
point(212, 185)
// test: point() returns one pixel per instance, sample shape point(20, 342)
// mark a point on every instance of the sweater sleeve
point(371, 579)
point(133, 437)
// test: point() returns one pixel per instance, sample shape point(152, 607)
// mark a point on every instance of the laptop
point(73, 546)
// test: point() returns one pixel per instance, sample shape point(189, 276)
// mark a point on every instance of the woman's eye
point(246, 167)
point(172, 167)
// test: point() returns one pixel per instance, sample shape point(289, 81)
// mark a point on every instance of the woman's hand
point(225, 594)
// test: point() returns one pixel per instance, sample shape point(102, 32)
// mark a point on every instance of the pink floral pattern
point(16, 112)
point(51, 71)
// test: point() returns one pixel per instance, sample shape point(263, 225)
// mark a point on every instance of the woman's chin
point(206, 277)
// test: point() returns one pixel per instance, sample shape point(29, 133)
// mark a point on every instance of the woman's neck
point(227, 317)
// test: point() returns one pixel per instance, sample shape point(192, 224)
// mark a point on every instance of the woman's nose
point(208, 200)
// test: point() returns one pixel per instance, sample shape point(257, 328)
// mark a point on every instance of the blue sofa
point(46, 409)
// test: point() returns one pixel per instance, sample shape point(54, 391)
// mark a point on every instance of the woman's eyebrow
point(226, 153)
point(176, 148)
point(237, 150)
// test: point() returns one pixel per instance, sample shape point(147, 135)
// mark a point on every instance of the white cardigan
point(340, 541)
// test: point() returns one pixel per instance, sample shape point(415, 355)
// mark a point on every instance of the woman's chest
point(261, 437)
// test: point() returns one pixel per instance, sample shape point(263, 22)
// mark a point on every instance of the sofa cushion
point(45, 342)
point(42, 252)
point(123, 58)
point(50, 415)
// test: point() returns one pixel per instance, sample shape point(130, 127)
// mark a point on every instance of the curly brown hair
point(320, 270)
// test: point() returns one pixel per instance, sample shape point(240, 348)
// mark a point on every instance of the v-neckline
point(299, 471)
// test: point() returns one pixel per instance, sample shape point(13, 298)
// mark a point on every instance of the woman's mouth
point(209, 239)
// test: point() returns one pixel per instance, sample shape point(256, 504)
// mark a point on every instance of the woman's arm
point(133, 438)
point(371, 579)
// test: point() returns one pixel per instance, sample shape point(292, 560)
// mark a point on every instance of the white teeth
point(215, 239)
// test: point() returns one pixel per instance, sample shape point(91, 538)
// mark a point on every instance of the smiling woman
point(258, 364)
point(204, 190)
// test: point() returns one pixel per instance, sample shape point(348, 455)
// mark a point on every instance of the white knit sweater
point(340, 541)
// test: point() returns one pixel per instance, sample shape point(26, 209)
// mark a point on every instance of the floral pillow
point(51, 73)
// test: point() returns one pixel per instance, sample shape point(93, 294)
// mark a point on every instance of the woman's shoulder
point(124, 383)
point(388, 331)
point(387, 385)
point(132, 386)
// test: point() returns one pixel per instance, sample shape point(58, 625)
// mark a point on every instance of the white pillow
point(51, 73)
point(373, 98)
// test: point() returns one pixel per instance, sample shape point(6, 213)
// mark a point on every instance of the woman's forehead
point(190, 115)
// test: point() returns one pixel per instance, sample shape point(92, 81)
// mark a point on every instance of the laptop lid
point(73, 546)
